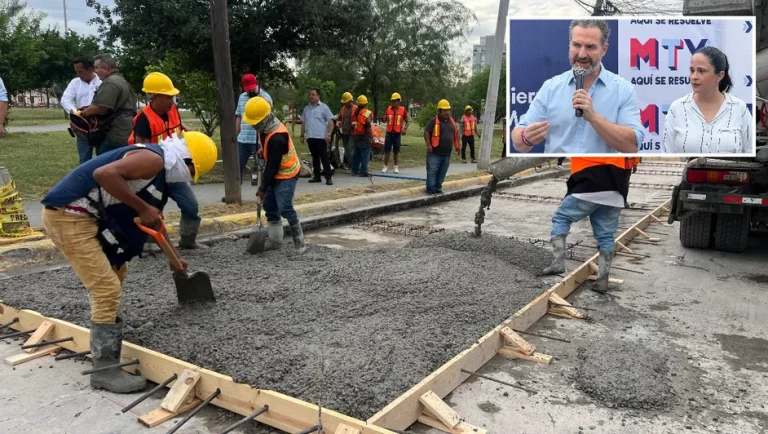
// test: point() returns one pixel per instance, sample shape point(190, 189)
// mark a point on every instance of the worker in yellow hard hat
point(89, 216)
point(469, 131)
point(441, 135)
point(362, 137)
point(344, 121)
point(397, 125)
point(156, 123)
point(281, 173)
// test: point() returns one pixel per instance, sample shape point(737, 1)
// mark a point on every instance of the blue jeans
point(437, 167)
point(245, 150)
point(182, 194)
point(84, 150)
point(109, 145)
point(278, 201)
point(361, 153)
point(604, 219)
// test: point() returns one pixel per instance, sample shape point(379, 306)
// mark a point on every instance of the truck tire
point(695, 230)
point(731, 232)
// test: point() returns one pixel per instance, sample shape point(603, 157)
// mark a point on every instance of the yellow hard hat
point(362, 100)
point(159, 84)
point(346, 97)
point(203, 152)
point(469, 107)
point(256, 109)
point(395, 96)
point(444, 105)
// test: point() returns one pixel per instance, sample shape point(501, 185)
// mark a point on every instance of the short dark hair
point(719, 62)
point(107, 60)
point(602, 25)
point(87, 62)
point(317, 91)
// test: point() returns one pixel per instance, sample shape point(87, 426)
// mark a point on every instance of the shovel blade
point(256, 241)
point(193, 287)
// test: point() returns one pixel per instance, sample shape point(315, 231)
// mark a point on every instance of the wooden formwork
point(292, 415)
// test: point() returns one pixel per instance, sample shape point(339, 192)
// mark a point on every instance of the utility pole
point(65, 17)
point(489, 113)
point(222, 63)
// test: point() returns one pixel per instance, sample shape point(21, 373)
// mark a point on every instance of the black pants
point(319, 150)
point(467, 140)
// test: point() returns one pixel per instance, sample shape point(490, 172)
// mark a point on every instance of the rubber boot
point(188, 234)
point(558, 260)
point(106, 343)
point(274, 236)
point(298, 237)
point(603, 270)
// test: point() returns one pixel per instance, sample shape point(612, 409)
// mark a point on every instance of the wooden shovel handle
point(162, 242)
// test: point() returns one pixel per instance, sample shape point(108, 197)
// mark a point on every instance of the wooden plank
point(182, 390)
point(620, 244)
point(43, 331)
point(440, 409)
point(345, 429)
point(285, 413)
point(562, 306)
point(610, 280)
point(517, 354)
point(461, 428)
point(402, 412)
point(160, 415)
point(511, 337)
point(25, 357)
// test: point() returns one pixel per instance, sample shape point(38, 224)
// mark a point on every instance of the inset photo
point(639, 86)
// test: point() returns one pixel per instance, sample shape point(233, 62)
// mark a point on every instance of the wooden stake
point(508, 351)
point(42, 332)
point(182, 391)
point(566, 311)
point(461, 428)
point(439, 409)
point(610, 280)
point(160, 415)
point(624, 247)
point(513, 338)
point(25, 357)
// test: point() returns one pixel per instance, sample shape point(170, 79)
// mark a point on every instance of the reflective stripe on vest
point(436, 134)
point(395, 119)
point(289, 163)
point(160, 129)
point(359, 119)
point(579, 163)
point(341, 113)
point(469, 124)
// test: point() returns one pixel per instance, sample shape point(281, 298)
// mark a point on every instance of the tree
point(55, 69)
point(20, 45)
point(478, 88)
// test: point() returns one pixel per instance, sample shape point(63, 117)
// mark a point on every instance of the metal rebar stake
point(256, 414)
point(533, 392)
point(71, 356)
point(13, 321)
point(148, 394)
point(13, 335)
point(310, 430)
point(104, 368)
point(44, 343)
point(196, 410)
point(542, 336)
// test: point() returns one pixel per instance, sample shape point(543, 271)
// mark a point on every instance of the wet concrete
point(745, 352)
point(347, 329)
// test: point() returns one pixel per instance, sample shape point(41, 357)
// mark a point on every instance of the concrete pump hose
point(507, 167)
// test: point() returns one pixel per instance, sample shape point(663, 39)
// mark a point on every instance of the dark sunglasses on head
point(188, 161)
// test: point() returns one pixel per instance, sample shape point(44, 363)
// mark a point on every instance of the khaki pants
point(75, 237)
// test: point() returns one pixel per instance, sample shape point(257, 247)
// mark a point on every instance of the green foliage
point(198, 89)
point(21, 49)
point(425, 114)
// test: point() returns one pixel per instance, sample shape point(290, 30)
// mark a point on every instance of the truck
point(720, 202)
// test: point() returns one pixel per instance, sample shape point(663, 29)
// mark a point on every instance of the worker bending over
point(89, 217)
point(397, 126)
point(281, 172)
point(597, 189)
point(155, 123)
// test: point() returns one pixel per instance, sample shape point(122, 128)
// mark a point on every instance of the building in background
point(481, 53)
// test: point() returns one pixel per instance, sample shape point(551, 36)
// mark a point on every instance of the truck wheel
point(695, 230)
point(731, 232)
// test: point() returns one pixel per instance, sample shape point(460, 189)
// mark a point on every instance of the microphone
point(578, 74)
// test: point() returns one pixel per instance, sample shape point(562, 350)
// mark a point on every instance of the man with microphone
point(586, 110)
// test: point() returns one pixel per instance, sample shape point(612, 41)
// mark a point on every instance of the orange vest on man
point(359, 119)
point(395, 119)
point(289, 164)
point(580, 163)
point(436, 134)
point(161, 129)
point(341, 113)
point(470, 123)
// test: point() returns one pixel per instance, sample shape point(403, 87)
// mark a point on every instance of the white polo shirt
point(79, 94)
point(686, 131)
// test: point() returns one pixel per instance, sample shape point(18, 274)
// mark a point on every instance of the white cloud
point(78, 14)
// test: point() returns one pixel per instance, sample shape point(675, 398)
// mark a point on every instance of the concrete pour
point(349, 330)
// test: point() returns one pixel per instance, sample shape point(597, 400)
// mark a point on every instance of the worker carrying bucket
point(89, 216)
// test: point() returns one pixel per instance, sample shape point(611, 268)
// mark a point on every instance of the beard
point(588, 70)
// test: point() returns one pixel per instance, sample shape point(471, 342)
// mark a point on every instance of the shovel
point(189, 287)
point(258, 237)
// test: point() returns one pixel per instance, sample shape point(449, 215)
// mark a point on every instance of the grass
point(37, 161)
point(29, 117)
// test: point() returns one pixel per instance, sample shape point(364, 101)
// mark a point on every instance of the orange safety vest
point(436, 134)
point(636, 161)
point(580, 163)
point(161, 129)
point(289, 164)
point(341, 113)
point(469, 124)
point(359, 117)
point(395, 119)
